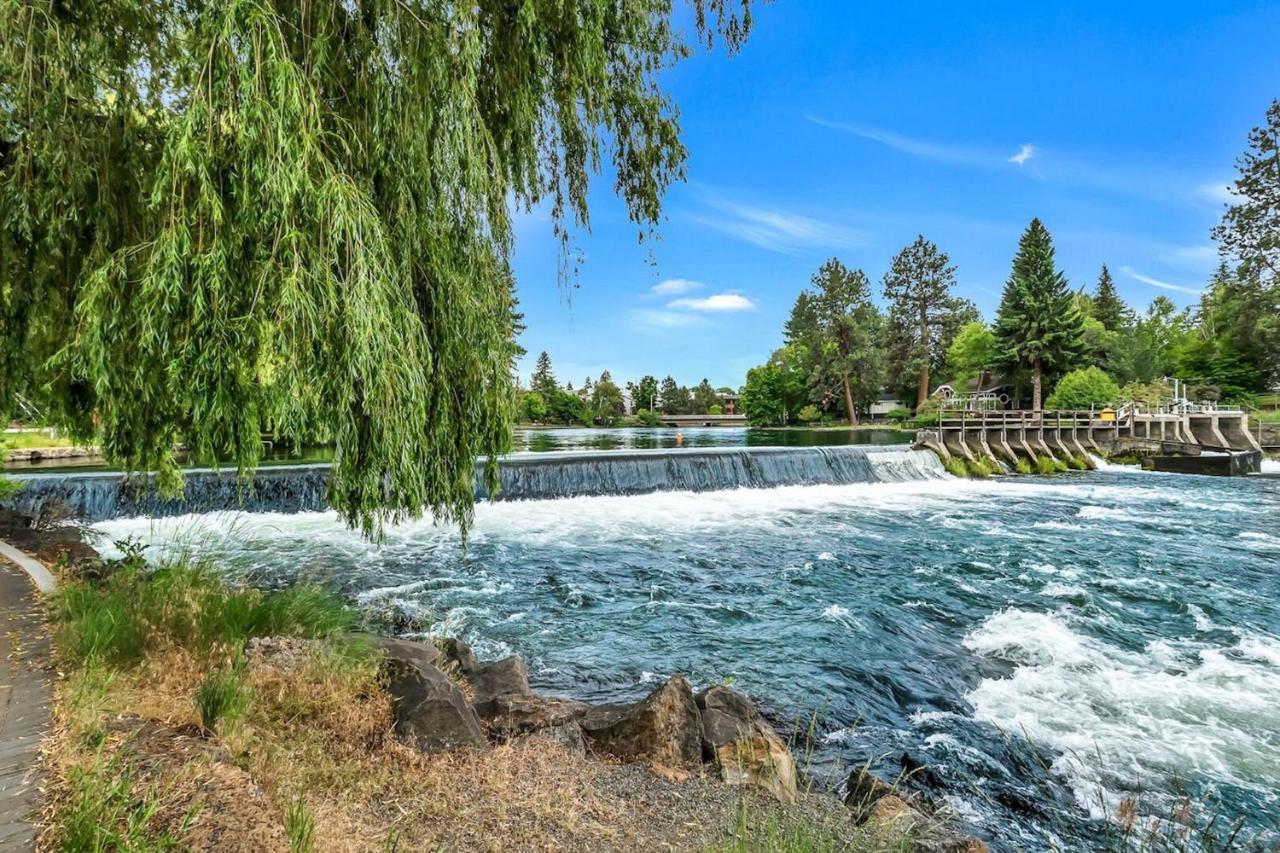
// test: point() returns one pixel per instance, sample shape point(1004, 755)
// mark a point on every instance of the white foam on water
point(1121, 719)
point(1271, 466)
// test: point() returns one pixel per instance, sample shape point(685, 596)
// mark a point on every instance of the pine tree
point(1038, 326)
point(1108, 308)
point(543, 380)
point(1250, 229)
point(923, 315)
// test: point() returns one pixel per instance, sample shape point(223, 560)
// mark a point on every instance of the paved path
point(25, 698)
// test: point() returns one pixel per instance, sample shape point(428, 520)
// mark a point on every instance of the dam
point(102, 496)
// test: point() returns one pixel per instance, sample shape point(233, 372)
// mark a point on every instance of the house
point(985, 392)
point(884, 404)
point(729, 403)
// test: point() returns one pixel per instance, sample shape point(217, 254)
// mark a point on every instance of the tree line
point(841, 351)
point(601, 402)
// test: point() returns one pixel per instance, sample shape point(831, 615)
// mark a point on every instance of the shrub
point(929, 419)
point(898, 415)
point(808, 414)
point(1087, 388)
point(1046, 465)
point(1022, 466)
point(715, 409)
point(956, 467)
point(647, 418)
point(983, 467)
point(1076, 462)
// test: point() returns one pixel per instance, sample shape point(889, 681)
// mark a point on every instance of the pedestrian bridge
point(702, 420)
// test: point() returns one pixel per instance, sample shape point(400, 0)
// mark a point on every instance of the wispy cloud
point(660, 320)
point(1201, 257)
point(1155, 282)
point(775, 229)
point(942, 152)
point(676, 286)
point(1025, 153)
point(716, 302)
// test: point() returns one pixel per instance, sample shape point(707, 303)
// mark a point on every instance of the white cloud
point(916, 147)
point(778, 230)
point(1200, 257)
point(1025, 153)
point(665, 319)
point(674, 286)
point(715, 302)
point(1220, 193)
point(1155, 282)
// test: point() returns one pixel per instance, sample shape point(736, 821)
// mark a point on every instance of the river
point(1044, 647)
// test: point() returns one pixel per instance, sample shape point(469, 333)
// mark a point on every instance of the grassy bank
point(178, 724)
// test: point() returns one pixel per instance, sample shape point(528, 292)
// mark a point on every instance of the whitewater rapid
point(1047, 646)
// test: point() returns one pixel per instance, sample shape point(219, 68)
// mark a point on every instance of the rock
point(863, 791)
point(568, 736)
point(889, 812)
point(458, 655)
point(503, 699)
point(664, 728)
point(80, 557)
point(745, 748)
point(429, 710)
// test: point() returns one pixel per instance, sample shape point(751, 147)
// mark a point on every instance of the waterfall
point(524, 476)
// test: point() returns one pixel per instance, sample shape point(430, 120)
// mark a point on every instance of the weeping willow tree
point(217, 215)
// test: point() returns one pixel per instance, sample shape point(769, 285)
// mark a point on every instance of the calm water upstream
point(1045, 647)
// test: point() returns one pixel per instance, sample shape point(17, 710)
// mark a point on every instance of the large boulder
point(502, 698)
point(746, 750)
point(458, 656)
point(428, 709)
point(664, 728)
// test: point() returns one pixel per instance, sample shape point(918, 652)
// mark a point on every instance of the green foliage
point(1022, 466)
point(1250, 228)
point(835, 330)
point(1108, 308)
point(532, 407)
point(607, 404)
point(1236, 342)
point(109, 810)
point(899, 415)
point(924, 318)
point(220, 215)
point(809, 414)
point(114, 622)
point(776, 390)
point(1076, 462)
point(220, 699)
point(956, 467)
point(300, 826)
point(927, 420)
point(704, 397)
point(675, 398)
point(644, 394)
point(1083, 389)
point(648, 418)
point(973, 351)
point(1038, 326)
point(1047, 465)
point(1150, 394)
point(984, 467)
point(715, 409)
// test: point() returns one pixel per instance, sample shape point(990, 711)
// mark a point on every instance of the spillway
point(525, 476)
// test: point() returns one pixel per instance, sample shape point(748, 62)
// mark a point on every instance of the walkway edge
point(35, 569)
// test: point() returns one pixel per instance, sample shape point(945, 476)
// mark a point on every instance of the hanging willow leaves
point(220, 216)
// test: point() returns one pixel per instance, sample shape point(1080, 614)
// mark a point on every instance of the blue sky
point(844, 129)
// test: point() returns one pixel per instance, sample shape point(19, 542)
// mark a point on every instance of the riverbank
point(191, 714)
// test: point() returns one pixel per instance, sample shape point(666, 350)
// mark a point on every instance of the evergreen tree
point(1108, 308)
point(674, 398)
point(543, 380)
point(606, 400)
point(834, 330)
point(1038, 325)
point(923, 315)
point(220, 215)
point(1250, 229)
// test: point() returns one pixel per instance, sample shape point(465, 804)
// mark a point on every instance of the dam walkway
point(26, 696)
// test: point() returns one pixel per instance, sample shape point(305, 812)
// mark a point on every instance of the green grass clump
point(1076, 462)
point(1046, 465)
point(983, 467)
point(115, 621)
point(220, 699)
point(767, 828)
point(956, 467)
point(1022, 466)
point(300, 827)
point(105, 812)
